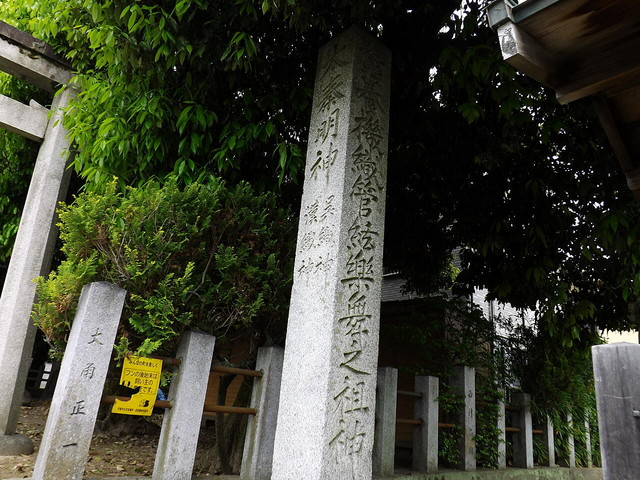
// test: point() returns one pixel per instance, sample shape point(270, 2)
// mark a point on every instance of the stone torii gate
point(35, 62)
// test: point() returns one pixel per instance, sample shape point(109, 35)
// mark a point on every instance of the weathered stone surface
point(179, 435)
point(587, 443)
point(570, 461)
point(326, 416)
point(16, 445)
point(67, 434)
point(463, 384)
point(523, 440)
point(34, 45)
point(28, 121)
point(509, 474)
point(548, 441)
point(34, 65)
point(616, 369)
point(425, 438)
point(257, 457)
point(31, 258)
point(502, 439)
point(384, 444)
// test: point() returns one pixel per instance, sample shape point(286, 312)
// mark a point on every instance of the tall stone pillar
point(327, 402)
point(463, 384)
point(31, 257)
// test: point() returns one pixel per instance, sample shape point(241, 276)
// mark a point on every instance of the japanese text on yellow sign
point(143, 373)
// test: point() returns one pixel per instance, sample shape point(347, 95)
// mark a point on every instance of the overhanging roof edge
point(500, 11)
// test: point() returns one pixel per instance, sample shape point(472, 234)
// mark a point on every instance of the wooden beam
point(524, 53)
point(627, 163)
point(602, 70)
point(32, 67)
point(29, 121)
point(610, 126)
point(596, 83)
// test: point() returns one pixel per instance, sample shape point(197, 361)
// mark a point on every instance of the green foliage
point(173, 88)
point(444, 332)
point(563, 383)
point(193, 88)
point(487, 431)
point(208, 257)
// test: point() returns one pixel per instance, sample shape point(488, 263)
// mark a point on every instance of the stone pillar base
point(15, 445)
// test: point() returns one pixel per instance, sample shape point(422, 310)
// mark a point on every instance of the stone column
point(548, 440)
point(257, 457)
point(326, 416)
point(571, 441)
point(74, 408)
point(176, 452)
point(463, 384)
point(425, 438)
point(31, 257)
point(384, 445)
point(617, 378)
point(502, 437)
point(523, 440)
point(587, 443)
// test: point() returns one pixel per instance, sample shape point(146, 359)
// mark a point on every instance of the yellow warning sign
point(143, 373)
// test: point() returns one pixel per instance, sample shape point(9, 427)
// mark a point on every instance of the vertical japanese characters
point(351, 123)
point(74, 407)
point(327, 402)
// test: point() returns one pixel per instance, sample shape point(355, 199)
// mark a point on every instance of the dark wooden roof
point(581, 48)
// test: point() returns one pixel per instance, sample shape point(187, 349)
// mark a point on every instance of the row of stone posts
point(74, 408)
point(426, 424)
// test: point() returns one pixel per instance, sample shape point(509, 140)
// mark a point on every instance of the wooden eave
point(581, 48)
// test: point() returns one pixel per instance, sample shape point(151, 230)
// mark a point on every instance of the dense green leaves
point(208, 257)
point(480, 157)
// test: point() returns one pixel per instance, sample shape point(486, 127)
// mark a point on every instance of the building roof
point(581, 48)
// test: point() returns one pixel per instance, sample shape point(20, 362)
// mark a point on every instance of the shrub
point(207, 257)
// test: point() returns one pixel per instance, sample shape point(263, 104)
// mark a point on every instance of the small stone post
point(257, 456)
point(31, 257)
point(179, 435)
point(74, 408)
point(548, 441)
point(571, 441)
point(463, 384)
point(587, 443)
point(617, 378)
point(425, 438)
point(523, 440)
point(384, 443)
point(327, 412)
point(502, 437)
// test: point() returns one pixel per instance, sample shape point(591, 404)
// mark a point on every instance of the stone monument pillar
point(325, 424)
